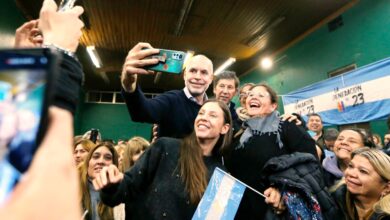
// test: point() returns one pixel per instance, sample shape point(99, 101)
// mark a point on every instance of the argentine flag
point(222, 197)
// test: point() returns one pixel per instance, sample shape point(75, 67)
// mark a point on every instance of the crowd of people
point(303, 170)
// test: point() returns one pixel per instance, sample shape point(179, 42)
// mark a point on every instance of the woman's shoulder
point(339, 195)
point(166, 144)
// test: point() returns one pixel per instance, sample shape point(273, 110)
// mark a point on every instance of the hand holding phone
point(55, 25)
point(169, 61)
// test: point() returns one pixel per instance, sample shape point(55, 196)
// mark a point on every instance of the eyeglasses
point(258, 94)
point(243, 95)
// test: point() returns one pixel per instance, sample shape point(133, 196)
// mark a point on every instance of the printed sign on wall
point(361, 95)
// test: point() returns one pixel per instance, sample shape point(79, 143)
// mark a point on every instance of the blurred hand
point(28, 35)
point(154, 133)
point(273, 198)
point(134, 64)
point(291, 118)
point(60, 28)
point(242, 113)
point(49, 189)
point(108, 175)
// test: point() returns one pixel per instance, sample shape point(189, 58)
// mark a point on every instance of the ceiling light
point(189, 55)
point(267, 63)
point(225, 65)
point(94, 56)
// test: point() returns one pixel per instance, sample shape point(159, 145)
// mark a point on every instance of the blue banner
point(361, 95)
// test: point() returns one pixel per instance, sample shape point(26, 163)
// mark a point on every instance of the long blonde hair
point(105, 212)
point(134, 146)
point(193, 171)
point(380, 161)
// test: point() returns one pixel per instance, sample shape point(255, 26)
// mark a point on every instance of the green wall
point(10, 19)
point(364, 38)
point(113, 121)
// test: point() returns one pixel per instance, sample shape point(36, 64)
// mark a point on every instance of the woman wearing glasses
point(263, 137)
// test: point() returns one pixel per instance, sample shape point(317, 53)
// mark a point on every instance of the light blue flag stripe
point(234, 201)
point(363, 74)
point(208, 196)
point(209, 199)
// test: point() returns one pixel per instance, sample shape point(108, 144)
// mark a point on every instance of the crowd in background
point(303, 170)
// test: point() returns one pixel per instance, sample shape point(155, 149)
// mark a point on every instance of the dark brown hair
point(191, 165)
point(273, 95)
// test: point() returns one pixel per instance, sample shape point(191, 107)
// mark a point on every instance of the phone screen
point(24, 80)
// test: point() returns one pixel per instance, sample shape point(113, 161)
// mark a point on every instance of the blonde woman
point(134, 149)
point(120, 149)
point(81, 150)
point(364, 193)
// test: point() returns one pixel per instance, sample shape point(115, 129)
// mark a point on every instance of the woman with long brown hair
point(101, 156)
point(171, 176)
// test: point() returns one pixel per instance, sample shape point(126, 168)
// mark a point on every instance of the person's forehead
point(103, 149)
point(200, 62)
point(246, 88)
point(259, 88)
point(350, 134)
point(314, 117)
point(211, 106)
point(226, 81)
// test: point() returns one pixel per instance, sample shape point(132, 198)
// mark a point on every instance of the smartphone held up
point(26, 77)
point(170, 61)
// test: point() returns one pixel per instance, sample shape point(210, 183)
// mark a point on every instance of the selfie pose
point(170, 178)
point(174, 111)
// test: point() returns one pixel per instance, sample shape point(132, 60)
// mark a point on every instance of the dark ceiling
point(246, 30)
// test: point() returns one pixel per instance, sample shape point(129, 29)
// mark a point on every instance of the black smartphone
point(94, 135)
point(26, 79)
point(66, 5)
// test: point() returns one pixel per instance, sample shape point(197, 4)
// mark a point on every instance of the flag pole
point(261, 194)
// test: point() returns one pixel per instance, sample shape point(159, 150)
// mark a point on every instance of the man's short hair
point(331, 134)
point(314, 114)
point(226, 75)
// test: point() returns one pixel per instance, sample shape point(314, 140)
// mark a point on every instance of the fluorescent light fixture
point(94, 56)
point(225, 65)
point(267, 63)
point(189, 55)
point(255, 38)
point(182, 19)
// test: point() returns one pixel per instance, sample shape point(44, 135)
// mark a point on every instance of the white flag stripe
point(221, 199)
point(373, 90)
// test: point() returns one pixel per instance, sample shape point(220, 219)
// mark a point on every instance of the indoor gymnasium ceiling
point(246, 30)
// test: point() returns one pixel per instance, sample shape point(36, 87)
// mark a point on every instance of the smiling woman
point(265, 137)
point(348, 140)
point(100, 156)
point(170, 177)
point(365, 191)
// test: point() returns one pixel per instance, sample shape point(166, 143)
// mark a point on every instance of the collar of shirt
point(192, 98)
